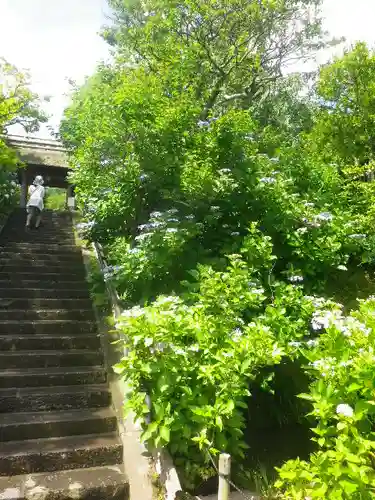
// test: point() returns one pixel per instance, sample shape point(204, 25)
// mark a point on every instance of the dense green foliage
point(55, 199)
point(342, 395)
point(231, 214)
point(18, 105)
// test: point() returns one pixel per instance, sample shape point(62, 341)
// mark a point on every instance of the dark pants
point(34, 212)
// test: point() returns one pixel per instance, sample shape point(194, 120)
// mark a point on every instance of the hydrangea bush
point(9, 189)
point(341, 364)
point(196, 355)
point(224, 241)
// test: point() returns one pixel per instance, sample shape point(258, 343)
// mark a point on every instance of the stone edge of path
point(3, 220)
point(142, 466)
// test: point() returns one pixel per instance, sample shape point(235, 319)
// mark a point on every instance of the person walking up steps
point(35, 204)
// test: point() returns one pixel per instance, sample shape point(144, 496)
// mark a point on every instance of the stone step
point(40, 248)
point(49, 377)
point(44, 293)
point(38, 236)
point(39, 303)
point(32, 275)
point(46, 314)
point(62, 453)
point(40, 259)
point(93, 483)
point(48, 228)
point(17, 426)
point(46, 326)
point(42, 269)
point(49, 342)
point(50, 359)
point(62, 240)
point(47, 212)
point(31, 399)
point(36, 283)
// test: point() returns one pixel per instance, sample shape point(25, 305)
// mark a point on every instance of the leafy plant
point(228, 202)
point(196, 356)
point(55, 199)
point(341, 393)
point(18, 105)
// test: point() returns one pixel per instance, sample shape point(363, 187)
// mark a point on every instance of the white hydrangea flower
point(134, 312)
point(296, 279)
point(345, 410)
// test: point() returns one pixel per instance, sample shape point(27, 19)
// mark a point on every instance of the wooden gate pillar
point(23, 197)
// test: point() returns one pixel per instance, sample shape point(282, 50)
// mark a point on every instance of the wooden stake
point(224, 473)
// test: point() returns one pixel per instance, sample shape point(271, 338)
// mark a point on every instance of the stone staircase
point(58, 432)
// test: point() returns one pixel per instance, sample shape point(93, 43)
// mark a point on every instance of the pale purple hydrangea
point(312, 342)
point(321, 320)
point(134, 250)
point(324, 217)
point(249, 137)
point(296, 279)
point(85, 225)
point(142, 237)
point(295, 344)
point(267, 180)
point(203, 123)
point(358, 236)
point(150, 225)
point(156, 215)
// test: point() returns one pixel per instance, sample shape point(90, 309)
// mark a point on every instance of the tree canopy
point(18, 105)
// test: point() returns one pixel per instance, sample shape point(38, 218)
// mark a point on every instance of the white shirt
point(36, 197)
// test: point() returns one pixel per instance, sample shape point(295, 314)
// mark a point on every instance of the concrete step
point(31, 399)
point(31, 275)
point(48, 228)
point(62, 240)
point(50, 359)
point(36, 284)
point(40, 248)
point(94, 483)
point(41, 269)
point(45, 326)
point(43, 293)
point(49, 342)
point(39, 303)
point(22, 235)
point(63, 453)
point(26, 258)
point(46, 314)
point(17, 426)
point(50, 377)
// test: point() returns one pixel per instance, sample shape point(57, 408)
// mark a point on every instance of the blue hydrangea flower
point(358, 236)
point(203, 123)
point(324, 216)
point(267, 180)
